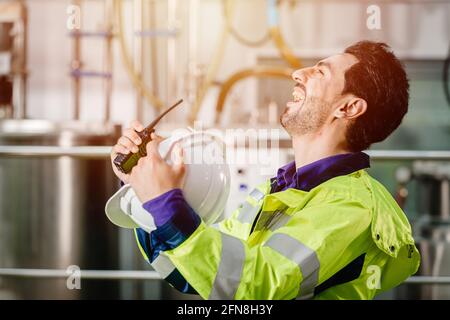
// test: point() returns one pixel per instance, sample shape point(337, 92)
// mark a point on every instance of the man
point(322, 228)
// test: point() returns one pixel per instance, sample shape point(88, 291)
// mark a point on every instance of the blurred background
point(73, 73)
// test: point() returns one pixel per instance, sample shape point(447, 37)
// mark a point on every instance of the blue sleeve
point(175, 220)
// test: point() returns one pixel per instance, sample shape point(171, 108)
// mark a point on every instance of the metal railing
point(151, 275)
point(88, 152)
point(94, 152)
point(84, 274)
point(409, 155)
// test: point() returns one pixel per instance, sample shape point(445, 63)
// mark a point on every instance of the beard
point(309, 118)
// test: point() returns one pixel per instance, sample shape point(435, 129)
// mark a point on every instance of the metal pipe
point(401, 155)
point(84, 274)
point(135, 78)
point(408, 155)
point(213, 67)
point(139, 52)
point(445, 199)
point(192, 83)
point(20, 82)
point(428, 280)
point(152, 275)
point(258, 71)
point(154, 33)
point(91, 152)
point(378, 1)
point(277, 37)
point(243, 40)
point(90, 74)
point(152, 68)
point(76, 65)
point(109, 57)
point(171, 80)
point(91, 34)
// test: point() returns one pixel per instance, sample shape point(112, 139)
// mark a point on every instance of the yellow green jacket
point(345, 239)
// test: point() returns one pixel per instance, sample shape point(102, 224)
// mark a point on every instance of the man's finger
point(120, 149)
point(178, 156)
point(132, 135)
point(127, 143)
point(136, 125)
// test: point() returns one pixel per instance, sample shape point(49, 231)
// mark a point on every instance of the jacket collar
point(310, 176)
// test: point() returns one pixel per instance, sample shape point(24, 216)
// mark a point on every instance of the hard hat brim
point(114, 212)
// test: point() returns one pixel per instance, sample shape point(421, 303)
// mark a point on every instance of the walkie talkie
point(126, 162)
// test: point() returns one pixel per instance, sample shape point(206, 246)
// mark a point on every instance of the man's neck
point(310, 148)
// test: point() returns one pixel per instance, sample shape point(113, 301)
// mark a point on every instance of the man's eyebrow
point(324, 64)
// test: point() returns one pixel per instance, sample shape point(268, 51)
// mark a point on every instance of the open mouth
point(299, 95)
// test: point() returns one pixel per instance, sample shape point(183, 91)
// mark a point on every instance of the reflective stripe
point(248, 211)
point(280, 220)
point(163, 266)
point(257, 194)
point(216, 226)
point(300, 254)
point(272, 221)
point(229, 273)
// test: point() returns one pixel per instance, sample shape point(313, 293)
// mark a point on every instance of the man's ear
point(351, 109)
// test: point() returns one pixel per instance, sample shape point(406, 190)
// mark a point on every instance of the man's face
point(316, 94)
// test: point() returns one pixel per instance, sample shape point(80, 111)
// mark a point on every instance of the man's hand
point(152, 176)
point(127, 143)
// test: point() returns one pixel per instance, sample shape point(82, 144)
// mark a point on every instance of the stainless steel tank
point(432, 229)
point(52, 209)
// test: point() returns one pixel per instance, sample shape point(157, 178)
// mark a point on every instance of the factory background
point(73, 73)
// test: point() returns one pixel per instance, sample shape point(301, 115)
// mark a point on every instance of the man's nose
point(299, 75)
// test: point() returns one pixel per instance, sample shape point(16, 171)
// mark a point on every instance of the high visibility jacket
point(345, 239)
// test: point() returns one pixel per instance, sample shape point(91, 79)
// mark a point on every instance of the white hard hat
point(206, 186)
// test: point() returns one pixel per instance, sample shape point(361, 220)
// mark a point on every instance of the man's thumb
point(178, 157)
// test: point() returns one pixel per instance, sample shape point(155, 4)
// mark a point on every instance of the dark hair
point(380, 79)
